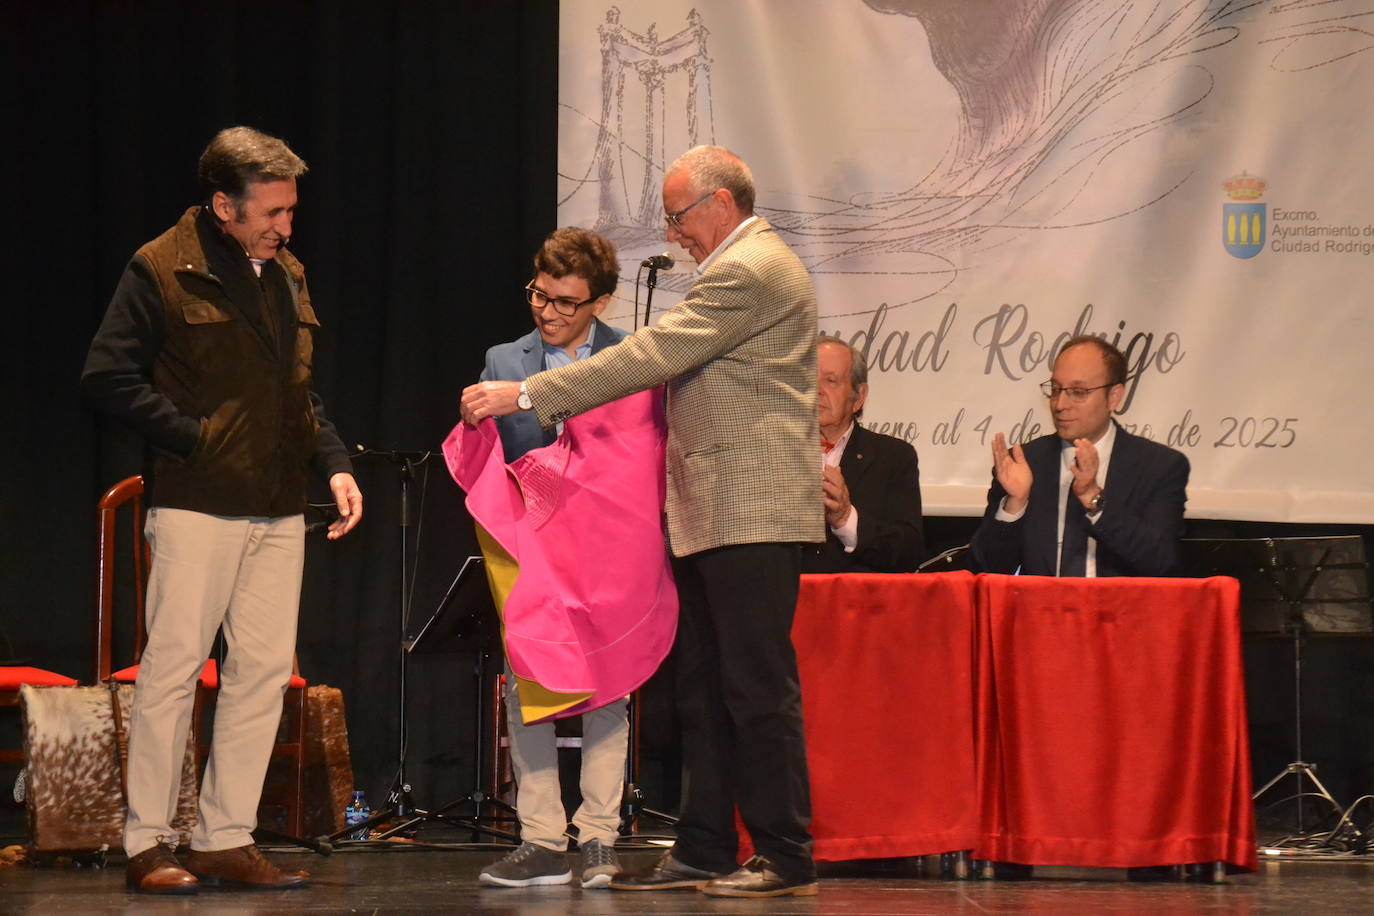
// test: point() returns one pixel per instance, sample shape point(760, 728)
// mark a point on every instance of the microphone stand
point(654, 264)
point(399, 803)
point(650, 284)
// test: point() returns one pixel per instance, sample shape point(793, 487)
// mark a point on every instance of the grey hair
point(240, 156)
point(712, 167)
point(858, 366)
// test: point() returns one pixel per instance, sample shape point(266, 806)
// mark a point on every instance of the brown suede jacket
point(212, 365)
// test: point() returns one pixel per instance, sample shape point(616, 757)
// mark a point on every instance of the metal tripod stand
point(1294, 597)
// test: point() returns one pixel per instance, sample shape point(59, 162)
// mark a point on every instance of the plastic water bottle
point(356, 812)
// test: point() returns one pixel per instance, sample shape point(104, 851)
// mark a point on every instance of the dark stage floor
point(413, 879)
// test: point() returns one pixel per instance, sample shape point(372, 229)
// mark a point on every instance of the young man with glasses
point(575, 273)
point(1090, 499)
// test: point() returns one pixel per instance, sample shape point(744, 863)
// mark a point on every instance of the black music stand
point(478, 616)
point(1293, 587)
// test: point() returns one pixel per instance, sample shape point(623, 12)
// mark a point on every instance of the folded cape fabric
point(593, 608)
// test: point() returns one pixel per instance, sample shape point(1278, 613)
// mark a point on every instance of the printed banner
point(970, 183)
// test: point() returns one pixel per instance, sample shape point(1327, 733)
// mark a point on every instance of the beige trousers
point(208, 571)
point(539, 795)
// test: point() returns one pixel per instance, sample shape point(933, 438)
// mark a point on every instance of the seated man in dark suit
point(1090, 499)
point(871, 483)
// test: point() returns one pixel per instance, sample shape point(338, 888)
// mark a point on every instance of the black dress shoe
point(1009, 871)
point(1154, 873)
point(758, 878)
point(1205, 872)
point(667, 874)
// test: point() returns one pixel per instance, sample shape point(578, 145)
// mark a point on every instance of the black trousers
point(739, 700)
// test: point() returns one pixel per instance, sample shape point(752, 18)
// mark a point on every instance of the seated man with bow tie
point(1090, 499)
point(871, 482)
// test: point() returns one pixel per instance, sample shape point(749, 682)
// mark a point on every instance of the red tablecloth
point(1111, 722)
point(886, 665)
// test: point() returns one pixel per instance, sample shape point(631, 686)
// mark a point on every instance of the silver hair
point(858, 366)
point(712, 167)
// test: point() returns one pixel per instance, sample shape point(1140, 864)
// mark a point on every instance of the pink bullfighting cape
point(578, 525)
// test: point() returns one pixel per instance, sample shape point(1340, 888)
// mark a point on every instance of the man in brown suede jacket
point(206, 351)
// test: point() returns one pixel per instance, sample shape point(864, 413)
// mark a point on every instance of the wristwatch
point(1096, 501)
point(524, 402)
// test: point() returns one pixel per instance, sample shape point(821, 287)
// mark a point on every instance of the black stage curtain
point(430, 129)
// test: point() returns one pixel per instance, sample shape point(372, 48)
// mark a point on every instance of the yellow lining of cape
point(536, 701)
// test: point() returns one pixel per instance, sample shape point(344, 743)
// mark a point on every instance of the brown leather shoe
point(244, 866)
point(157, 871)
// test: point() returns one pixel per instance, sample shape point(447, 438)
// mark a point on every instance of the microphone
point(655, 264)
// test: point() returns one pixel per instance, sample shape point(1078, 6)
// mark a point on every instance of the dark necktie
point(1073, 559)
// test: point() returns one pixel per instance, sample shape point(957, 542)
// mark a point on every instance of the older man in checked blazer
point(739, 359)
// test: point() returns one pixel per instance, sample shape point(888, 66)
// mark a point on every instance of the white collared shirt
point(724, 243)
point(1104, 456)
point(1066, 453)
point(848, 533)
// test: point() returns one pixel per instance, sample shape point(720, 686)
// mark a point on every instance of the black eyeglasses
point(1075, 395)
point(674, 220)
point(565, 307)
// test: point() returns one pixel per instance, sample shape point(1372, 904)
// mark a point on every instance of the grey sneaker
point(598, 864)
point(527, 865)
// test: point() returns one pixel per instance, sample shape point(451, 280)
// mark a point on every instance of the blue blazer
point(517, 361)
point(1137, 533)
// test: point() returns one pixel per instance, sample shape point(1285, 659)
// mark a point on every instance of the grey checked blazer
point(739, 357)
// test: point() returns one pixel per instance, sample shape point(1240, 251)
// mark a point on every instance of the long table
point(1033, 720)
point(887, 666)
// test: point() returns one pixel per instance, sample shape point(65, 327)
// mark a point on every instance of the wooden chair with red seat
point(288, 753)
